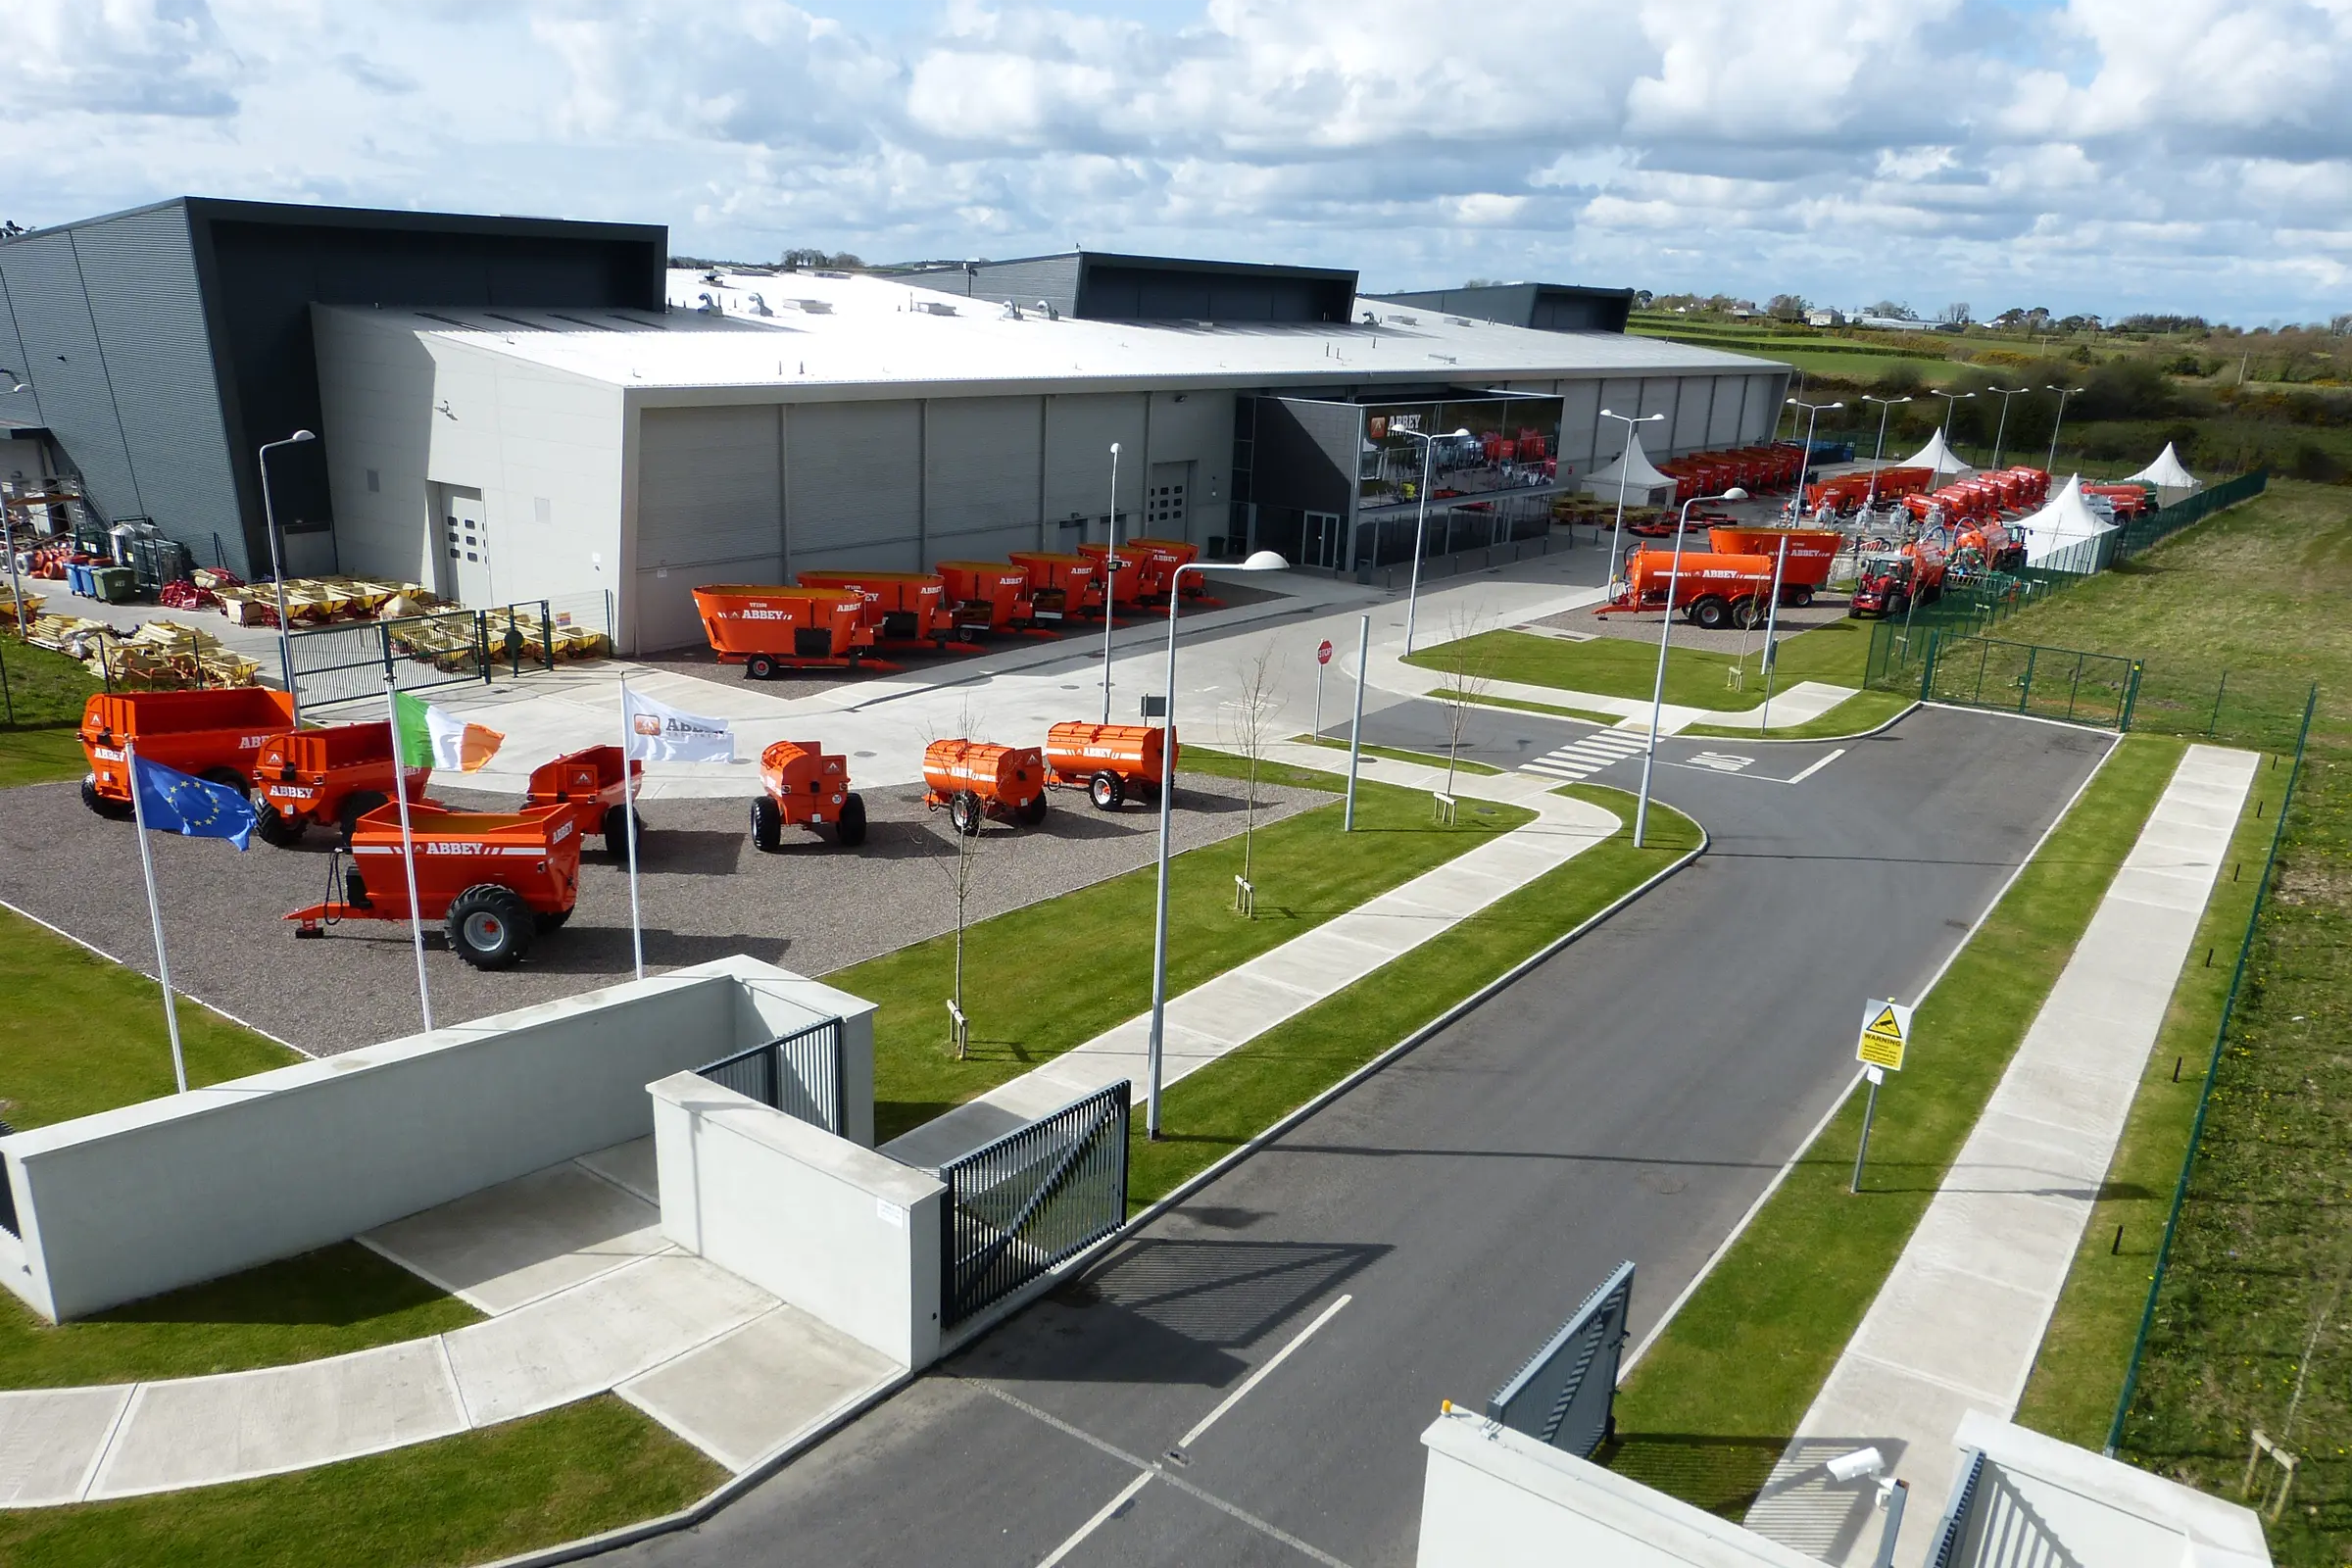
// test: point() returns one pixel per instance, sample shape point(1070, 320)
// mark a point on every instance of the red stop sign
point(1323, 653)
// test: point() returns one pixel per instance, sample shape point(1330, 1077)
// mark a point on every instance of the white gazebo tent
point(2060, 528)
point(1643, 485)
point(2166, 473)
point(1938, 456)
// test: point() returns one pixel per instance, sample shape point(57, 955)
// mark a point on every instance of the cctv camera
point(1859, 1465)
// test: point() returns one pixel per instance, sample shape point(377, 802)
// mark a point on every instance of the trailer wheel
point(112, 809)
point(228, 778)
point(1709, 614)
point(617, 831)
point(767, 824)
point(491, 927)
point(1034, 811)
point(1800, 595)
point(1744, 614)
point(276, 826)
point(759, 666)
point(1107, 790)
point(964, 812)
point(355, 807)
point(850, 831)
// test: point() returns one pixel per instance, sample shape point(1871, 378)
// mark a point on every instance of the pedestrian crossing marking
point(1585, 755)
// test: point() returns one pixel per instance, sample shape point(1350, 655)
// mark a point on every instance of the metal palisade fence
point(348, 660)
point(1038, 1196)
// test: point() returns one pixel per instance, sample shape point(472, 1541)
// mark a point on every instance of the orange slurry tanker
point(975, 780)
point(1711, 590)
point(1109, 761)
point(802, 785)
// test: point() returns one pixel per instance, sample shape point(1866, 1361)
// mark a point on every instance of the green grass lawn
point(1222, 1107)
point(1398, 755)
point(1616, 667)
point(534, 1483)
point(1709, 1408)
point(2079, 1369)
point(39, 688)
point(1042, 979)
point(1856, 715)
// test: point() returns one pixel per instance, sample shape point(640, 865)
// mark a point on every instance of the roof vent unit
point(710, 306)
point(759, 306)
point(1404, 320)
point(823, 273)
point(815, 307)
point(936, 306)
point(1459, 320)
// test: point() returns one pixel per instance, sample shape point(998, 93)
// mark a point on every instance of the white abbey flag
point(659, 733)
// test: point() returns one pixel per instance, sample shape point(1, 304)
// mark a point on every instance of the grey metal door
point(465, 547)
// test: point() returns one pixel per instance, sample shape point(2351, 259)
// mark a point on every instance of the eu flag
point(173, 801)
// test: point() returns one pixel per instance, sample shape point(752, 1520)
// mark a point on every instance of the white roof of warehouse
point(871, 333)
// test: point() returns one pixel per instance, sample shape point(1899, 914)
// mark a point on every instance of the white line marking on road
point(1125, 1495)
point(1819, 765)
point(1258, 1375)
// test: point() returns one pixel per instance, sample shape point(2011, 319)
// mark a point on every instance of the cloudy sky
point(2088, 155)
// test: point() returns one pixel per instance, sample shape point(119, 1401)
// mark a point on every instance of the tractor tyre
point(273, 826)
point(1107, 790)
point(1744, 614)
point(767, 824)
point(491, 927)
point(228, 778)
point(965, 812)
point(112, 810)
point(850, 831)
point(616, 829)
point(355, 807)
point(1710, 614)
point(1032, 812)
point(547, 920)
point(759, 666)
point(1896, 604)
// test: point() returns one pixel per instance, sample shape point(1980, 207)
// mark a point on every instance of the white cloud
point(2097, 154)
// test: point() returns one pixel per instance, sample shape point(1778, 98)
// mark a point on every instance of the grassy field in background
point(1614, 666)
point(1710, 1407)
point(509, 1488)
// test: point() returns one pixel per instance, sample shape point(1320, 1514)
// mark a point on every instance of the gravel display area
point(1826, 610)
point(705, 894)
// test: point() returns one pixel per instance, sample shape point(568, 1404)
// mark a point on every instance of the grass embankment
point(585, 1468)
point(1042, 979)
point(1448, 694)
point(1715, 1400)
point(1861, 712)
point(45, 694)
point(1222, 1107)
point(1397, 754)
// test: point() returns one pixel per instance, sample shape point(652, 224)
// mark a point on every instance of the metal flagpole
point(154, 913)
point(636, 926)
point(1355, 727)
point(1111, 573)
point(408, 846)
point(1772, 619)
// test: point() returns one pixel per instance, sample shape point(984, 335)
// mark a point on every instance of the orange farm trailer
point(1162, 559)
point(1060, 587)
point(1710, 590)
point(989, 596)
point(495, 881)
point(766, 629)
point(804, 786)
point(1109, 761)
point(906, 609)
point(1811, 554)
point(596, 787)
point(1127, 579)
point(974, 779)
point(214, 735)
point(2128, 500)
point(328, 777)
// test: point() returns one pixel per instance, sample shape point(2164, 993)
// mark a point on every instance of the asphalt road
point(1626, 1099)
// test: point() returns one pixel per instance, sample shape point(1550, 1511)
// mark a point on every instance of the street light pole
point(1617, 538)
point(1877, 453)
point(1111, 573)
point(1657, 694)
point(2064, 392)
point(1428, 459)
point(277, 571)
point(1796, 503)
point(1943, 431)
point(1262, 561)
point(2004, 393)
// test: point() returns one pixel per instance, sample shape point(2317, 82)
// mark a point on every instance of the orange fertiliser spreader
point(766, 629)
point(975, 779)
point(328, 777)
point(1109, 761)
point(496, 881)
point(595, 786)
point(214, 735)
point(802, 785)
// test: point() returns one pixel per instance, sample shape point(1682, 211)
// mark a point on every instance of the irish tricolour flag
point(450, 741)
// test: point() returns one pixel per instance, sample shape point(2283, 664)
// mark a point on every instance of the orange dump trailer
point(804, 786)
point(1109, 761)
point(988, 596)
point(328, 777)
point(905, 608)
point(975, 779)
point(1811, 554)
point(214, 735)
point(766, 629)
point(495, 880)
point(1060, 586)
point(598, 787)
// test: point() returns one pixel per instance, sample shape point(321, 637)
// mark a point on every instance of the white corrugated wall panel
point(1079, 431)
point(1621, 397)
point(1580, 410)
point(871, 557)
point(1691, 412)
point(1761, 416)
point(1722, 425)
point(853, 477)
point(981, 461)
point(1657, 397)
point(707, 488)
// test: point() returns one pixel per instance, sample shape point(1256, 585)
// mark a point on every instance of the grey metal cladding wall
point(1051, 279)
point(853, 477)
point(1723, 420)
point(66, 368)
point(981, 461)
point(707, 489)
point(1109, 291)
point(1306, 455)
point(141, 279)
point(1691, 412)
point(18, 407)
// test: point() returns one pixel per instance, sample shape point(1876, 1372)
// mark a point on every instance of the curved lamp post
point(1618, 537)
point(277, 572)
point(1413, 592)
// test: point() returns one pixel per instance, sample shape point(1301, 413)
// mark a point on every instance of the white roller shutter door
point(707, 489)
point(981, 461)
point(1079, 431)
point(854, 477)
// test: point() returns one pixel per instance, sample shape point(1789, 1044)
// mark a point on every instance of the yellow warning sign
point(1886, 1028)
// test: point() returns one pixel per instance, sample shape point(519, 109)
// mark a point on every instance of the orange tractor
point(215, 735)
point(804, 786)
point(328, 777)
point(495, 881)
point(975, 780)
point(769, 630)
point(1891, 582)
point(1109, 761)
point(597, 788)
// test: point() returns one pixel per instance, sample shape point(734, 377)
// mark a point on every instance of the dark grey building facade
point(1102, 286)
point(160, 347)
point(1545, 307)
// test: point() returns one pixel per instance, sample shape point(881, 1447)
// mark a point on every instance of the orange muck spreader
point(1109, 761)
point(326, 778)
point(596, 788)
point(769, 629)
point(495, 881)
point(1060, 587)
point(214, 735)
point(974, 779)
point(1128, 580)
point(804, 787)
point(989, 596)
point(906, 609)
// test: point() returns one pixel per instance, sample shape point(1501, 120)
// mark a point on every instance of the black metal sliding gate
point(1037, 1196)
point(1566, 1392)
point(798, 1074)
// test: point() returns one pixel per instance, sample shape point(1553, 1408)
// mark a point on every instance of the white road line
point(1125, 1495)
point(1819, 765)
point(1258, 1375)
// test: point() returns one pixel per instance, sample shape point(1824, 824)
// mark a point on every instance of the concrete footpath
point(1958, 1323)
point(1222, 1014)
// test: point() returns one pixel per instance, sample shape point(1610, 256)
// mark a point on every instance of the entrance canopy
point(2166, 472)
point(1938, 456)
point(1632, 471)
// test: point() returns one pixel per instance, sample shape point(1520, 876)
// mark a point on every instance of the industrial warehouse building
point(521, 409)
